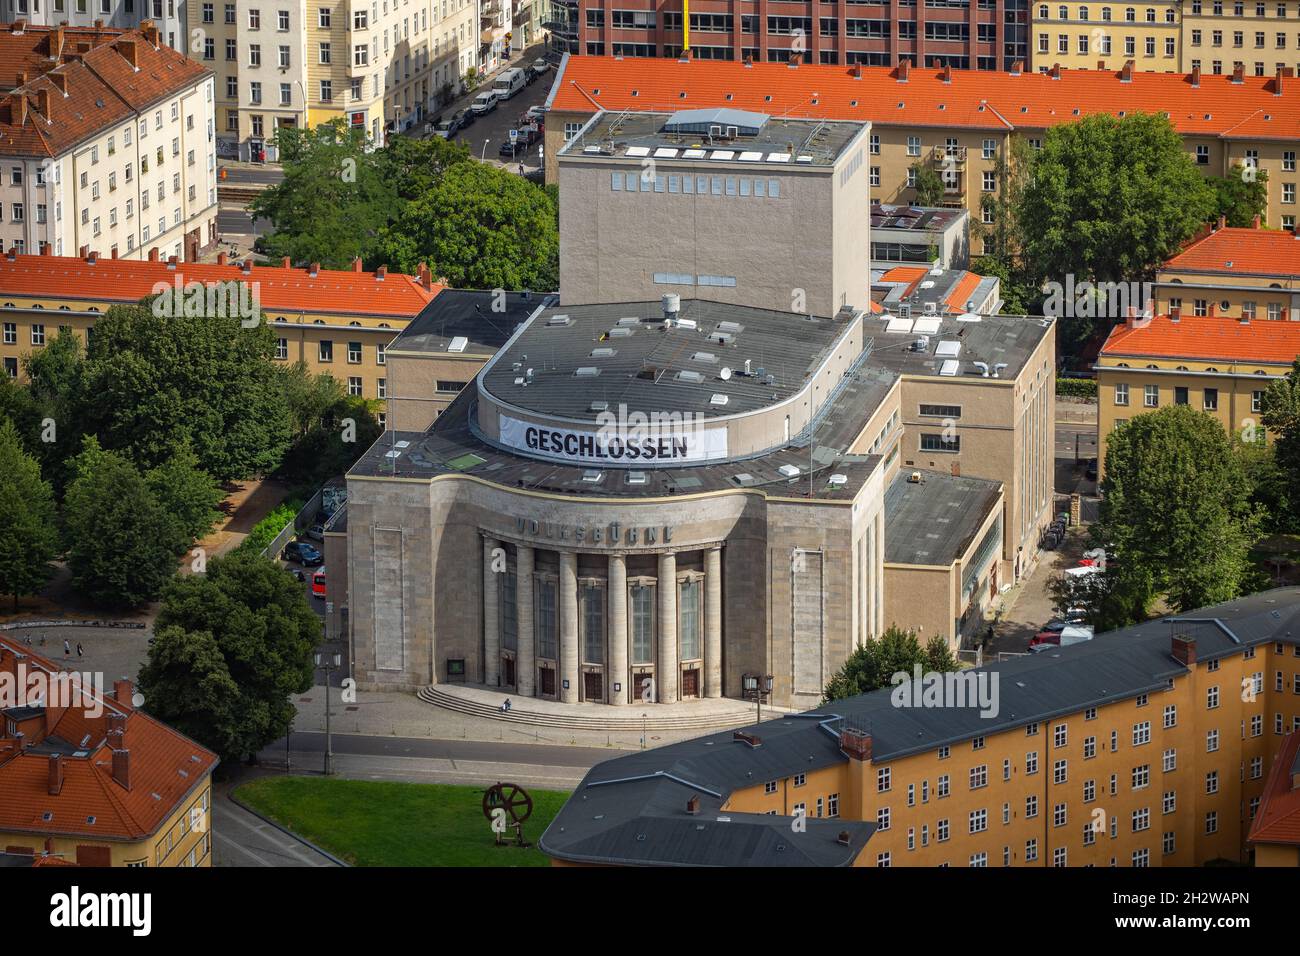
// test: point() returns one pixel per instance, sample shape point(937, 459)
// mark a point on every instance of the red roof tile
point(976, 99)
point(279, 289)
point(1278, 818)
point(961, 292)
point(1241, 251)
point(165, 767)
point(1208, 338)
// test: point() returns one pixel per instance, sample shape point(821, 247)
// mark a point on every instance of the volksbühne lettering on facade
point(612, 534)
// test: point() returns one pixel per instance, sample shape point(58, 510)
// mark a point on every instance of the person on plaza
point(67, 648)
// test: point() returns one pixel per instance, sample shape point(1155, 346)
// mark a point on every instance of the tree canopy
point(873, 664)
point(28, 534)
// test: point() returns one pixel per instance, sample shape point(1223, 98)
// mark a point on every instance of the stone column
point(616, 595)
point(491, 617)
point(568, 627)
point(713, 622)
point(666, 671)
point(525, 657)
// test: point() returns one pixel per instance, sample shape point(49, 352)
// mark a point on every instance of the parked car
point(540, 65)
point(509, 82)
point(484, 103)
point(447, 128)
point(464, 117)
point(318, 584)
point(1072, 634)
point(303, 553)
point(532, 115)
point(316, 532)
point(526, 137)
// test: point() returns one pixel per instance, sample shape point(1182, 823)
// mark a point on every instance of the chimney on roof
point(56, 42)
point(285, 262)
point(1223, 222)
point(1277, 82)
point(123, 692)
point(247, 266)
point(314, 271)
point(425, 276)
point(796, 59)
point(18, 27)
point(99, 24)
point(12, 254)
point(903, 67)
point(856, 743)
point(947, 72)
point(1196, 76)
point(113, 252)
point(1017, 67)
point(43, 102)
point(1254, 222)
point(1175, 313)
point(749, 60)
point(56, 774)
point(380, 273)
point(356, 264)
point(1212, 310)
point(150, 32)
point(1184, 650)
point(92, 257)
point(84, 251)
point(153, 254)
point(1101, 65)
point(116, 730)
point(171, 263)
point(693, 806)
point(1131, 317)
point(857, 71)
point(221, 258)
point(1055, 71)
point(749, 740)
point(122, 768)
point(47, 249)
point(130, 52)
point(844, 839)
point(20, 108)
point(1239, 73)
point(1126, 72)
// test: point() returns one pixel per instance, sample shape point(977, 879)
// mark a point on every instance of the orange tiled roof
point(1206, 337)
point(1231, 250)
point(90, 85)
point(279, 289)
point(975, 99)
point(164, 767)
point(961, 292)
point(1278, 817)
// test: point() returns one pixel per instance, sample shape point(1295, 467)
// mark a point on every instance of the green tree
point(231, 647)
point(1241, 197)
point(479, 227)
point(1018, 296)
point(121, 541)
point(1281, 416)
point(1175, 514)
point(872, 665)
point(28, 532)
point(188, 494)
point(332, 429)
point(155, 382)
point(1012, 170)
point(1110, 200)
point(54, 376)
point(929, 185)
point(333, 200)
point(414, 166)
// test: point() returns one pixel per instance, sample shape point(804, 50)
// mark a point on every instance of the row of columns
point(667, 662)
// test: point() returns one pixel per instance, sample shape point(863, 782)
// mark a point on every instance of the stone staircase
point(703, 715)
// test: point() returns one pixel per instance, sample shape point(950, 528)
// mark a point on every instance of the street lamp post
point(483, 153)
point(328, 663)
point(756, 687)
point(643, 718)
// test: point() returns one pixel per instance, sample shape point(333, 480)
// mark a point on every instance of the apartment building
point(963, 34)
point(338, 322)
point(959, 123)
point(87, 778)
point(106, 144)
point(1235, 273)
point(1168, 36)
point(1154, 745)
point(912, 235)
point(381, 65)
point(167, 15)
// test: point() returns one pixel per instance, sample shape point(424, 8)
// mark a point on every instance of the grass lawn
point(374, 823)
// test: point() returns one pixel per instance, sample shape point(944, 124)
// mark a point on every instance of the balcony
point(949, 157)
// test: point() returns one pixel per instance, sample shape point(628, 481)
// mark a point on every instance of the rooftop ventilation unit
point(592, 476)
point(949, 367)
point(603, 353)
point(672, 305)
point(587, 371)
point(718, 399)
point(620, 332)
point(558, 321)
point(997, 369)
point(733, 327)
point(708, 358)
point(983, 368)
point(921, 344)
point(948, 348)
point(838, 481)
point(693, 378)
point(789, 471)
point(931, 308)
point(600, 406)
point(458, 344)
point(635, 478)
point(629, 320)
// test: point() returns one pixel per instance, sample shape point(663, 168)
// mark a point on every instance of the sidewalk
point(525, 57)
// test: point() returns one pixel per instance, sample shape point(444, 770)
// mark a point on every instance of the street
point(486, 134)
point(1076, 445)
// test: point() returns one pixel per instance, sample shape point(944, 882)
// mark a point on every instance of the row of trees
point(1183, 504)
point(874, 663)
point(1105, 199)
point(411, 201)
point(115, 456)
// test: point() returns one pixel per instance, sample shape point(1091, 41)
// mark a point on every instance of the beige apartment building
point(167, 15)
point(1234, 273)
point(1175, 36)
point(958, 122)
point(106, 144)
point(650, 203)
point(381, 65)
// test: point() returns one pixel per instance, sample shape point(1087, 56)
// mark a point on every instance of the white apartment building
point(167, 15)
point(109, 148)
point(382, 65)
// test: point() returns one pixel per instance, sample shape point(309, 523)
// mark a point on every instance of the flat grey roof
point(636, 361)
point(913, 218)
point(777, 143)
point(994, 340)
point(612, 822)
point(933, 521)
point(483, 320)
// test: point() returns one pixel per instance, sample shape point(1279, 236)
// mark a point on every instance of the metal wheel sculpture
point(507, 806)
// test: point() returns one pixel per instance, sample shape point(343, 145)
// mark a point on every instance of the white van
point(509, 83)
point(484, 103)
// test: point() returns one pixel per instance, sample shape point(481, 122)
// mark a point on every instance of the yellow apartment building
point(958, 122)
point(335, 321)
point(1234, 273)
point(1148, 746)
point(1104, 36)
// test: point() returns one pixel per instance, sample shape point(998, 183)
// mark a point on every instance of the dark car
point(1091, 472)
point(303, 553)
point(463, 118)
point(446, 128)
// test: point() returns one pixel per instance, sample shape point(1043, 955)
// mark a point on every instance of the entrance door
point(691, 683)
point(593, 687)
point(547, 676)
point(639, 679)
point(508, 672)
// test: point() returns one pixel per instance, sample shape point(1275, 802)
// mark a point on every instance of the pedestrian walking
point(67, 648)
point(80, 651)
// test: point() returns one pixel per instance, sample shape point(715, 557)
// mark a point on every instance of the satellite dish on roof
point(725, 374)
